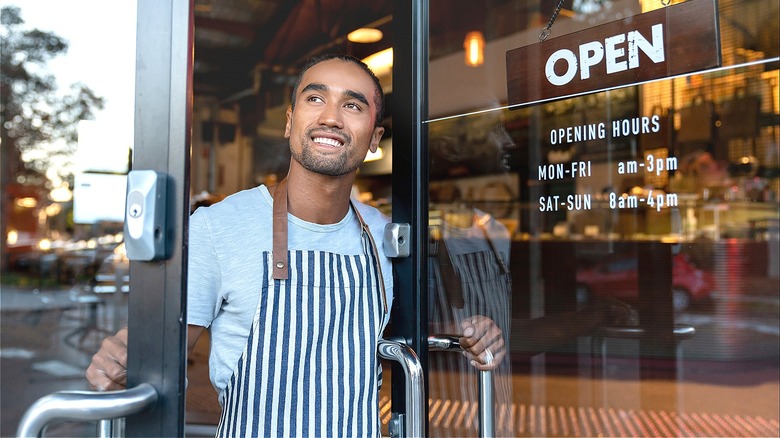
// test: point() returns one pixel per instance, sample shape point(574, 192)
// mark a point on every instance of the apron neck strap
point(280, 248)
point(279, 255)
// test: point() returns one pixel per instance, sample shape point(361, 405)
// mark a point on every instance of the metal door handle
point(414, 425)
point(85, 406)
point(485, 382)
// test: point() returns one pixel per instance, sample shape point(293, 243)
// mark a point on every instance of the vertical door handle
point(414, 424)
point(484, 384)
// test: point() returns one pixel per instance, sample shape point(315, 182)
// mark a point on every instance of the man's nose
point(503, 137)
point(331, 116)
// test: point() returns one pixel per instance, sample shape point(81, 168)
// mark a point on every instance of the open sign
point(666, 42)
point(619, 52)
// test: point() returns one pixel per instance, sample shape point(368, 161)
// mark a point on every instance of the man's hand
point(482, 342)
point(108, 370)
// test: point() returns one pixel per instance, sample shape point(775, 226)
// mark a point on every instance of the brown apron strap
point(449, 276)
point(499, 259)
point(279, 254)
point(281, 270)
point(367, 232)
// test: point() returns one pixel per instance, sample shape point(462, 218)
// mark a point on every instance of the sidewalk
point(47, 339)
point(35, 360)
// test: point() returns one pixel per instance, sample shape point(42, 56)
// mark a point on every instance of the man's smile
point(327, 141)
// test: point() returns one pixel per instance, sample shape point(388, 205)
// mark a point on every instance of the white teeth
point(328, 141)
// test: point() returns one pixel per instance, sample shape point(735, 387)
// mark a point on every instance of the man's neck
point(317, 198)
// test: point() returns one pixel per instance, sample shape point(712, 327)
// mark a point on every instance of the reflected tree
point(38, 120)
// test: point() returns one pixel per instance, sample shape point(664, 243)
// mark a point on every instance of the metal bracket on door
point(396, 425)
point(396, 240)
point(413, 422)
point(86, 406)
point(485, 383)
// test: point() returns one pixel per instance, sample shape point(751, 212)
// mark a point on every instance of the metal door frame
point(409, 102)
point(157, 344)
point(163, 111)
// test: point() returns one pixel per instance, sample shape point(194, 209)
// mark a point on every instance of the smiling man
point(290, 280)
point(334, 119)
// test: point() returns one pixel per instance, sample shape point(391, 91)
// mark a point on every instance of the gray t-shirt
point(226, 242)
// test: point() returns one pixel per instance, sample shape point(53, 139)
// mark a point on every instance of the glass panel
point(67, 129)
point(642, 294)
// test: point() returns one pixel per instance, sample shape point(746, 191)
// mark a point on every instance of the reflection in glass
point(643, 228)
point(468, 277)
point(64, 275)
point(468, 264)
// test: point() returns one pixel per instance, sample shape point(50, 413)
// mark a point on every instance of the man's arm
point(108, 370)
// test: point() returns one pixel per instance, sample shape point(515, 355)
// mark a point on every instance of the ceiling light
point(365, 35)
point(475, 48)
point(381, 62)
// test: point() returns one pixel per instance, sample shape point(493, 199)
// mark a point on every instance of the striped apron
point(310, 366)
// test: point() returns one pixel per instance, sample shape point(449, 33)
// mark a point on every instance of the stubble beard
point(331, 165)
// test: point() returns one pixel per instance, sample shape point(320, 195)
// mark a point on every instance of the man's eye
point(314, 99)
point(353, 106)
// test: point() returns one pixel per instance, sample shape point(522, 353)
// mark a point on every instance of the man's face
point(503, 142)
point(332, 126)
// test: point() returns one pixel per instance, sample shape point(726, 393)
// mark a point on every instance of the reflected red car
point(618, 278)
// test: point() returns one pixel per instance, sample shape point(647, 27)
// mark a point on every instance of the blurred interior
point(595, 346)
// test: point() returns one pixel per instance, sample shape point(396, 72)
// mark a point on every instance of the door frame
point(157, 344)
point(157, 340)
point(409, 101)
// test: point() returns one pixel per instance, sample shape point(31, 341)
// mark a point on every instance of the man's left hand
point(482, 342)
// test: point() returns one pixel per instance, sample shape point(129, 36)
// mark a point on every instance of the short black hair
point(379, 95)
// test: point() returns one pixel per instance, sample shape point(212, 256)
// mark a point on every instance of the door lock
point(145, 216)
point(397, 240)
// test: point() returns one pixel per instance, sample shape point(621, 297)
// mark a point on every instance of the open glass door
point(67, 131)
point(149, 299)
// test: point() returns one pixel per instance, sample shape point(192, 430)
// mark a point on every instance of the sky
point(101, 54)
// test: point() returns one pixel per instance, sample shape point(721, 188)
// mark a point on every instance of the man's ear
point(287, 126)
point(375, 137)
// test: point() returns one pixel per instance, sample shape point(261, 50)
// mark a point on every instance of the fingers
point(108, 370)
point(479, 332)
point(487, 361)
point(482, 342)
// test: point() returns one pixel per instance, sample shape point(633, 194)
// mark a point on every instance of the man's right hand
point(108, 370)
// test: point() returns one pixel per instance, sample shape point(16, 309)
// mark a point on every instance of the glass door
point(66, 134)
point(84, 291)
point(640, 295)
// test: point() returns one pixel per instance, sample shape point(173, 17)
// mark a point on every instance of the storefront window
point(641, 295)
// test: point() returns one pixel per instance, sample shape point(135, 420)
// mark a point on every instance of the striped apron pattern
point(310, 366)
